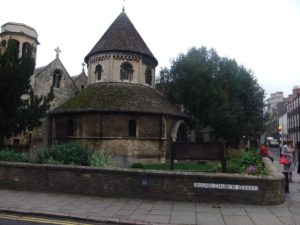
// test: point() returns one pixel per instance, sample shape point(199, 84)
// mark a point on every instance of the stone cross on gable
point(83, 64)
point(57, 50)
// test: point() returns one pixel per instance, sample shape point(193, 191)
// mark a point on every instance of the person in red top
point(263, 151)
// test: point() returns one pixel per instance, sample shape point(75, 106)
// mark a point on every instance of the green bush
point(137, 165)
point(250, 158)
point(70, 153)
point(243, 162)
point(100, 159)
point(11, 155)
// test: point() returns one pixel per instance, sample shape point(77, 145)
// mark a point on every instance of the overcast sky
point(262, 35)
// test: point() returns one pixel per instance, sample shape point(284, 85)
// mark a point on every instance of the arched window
point(56, 78)
point(16, 43)
point(132, 128)
point(70, 128)
point(148, 76)
point(98, 72)
point(3, 44)
point(126, 71)
point(182, 133)
point(25, 48)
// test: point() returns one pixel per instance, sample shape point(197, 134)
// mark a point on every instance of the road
point(15, 219)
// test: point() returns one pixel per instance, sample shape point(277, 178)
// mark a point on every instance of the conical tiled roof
point(121, 36)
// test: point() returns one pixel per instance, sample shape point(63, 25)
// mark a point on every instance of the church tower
point(24, 36)
point(121, 55)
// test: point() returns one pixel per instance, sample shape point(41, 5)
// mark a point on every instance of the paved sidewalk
point(138, 211)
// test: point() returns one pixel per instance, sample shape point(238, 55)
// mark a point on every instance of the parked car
point(274, 143)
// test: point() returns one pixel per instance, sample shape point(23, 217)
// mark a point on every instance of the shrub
point(70, 153)
point(100, 159)
point(11, 155)
point(250, 158)
point(137, 165)
point(245, 162)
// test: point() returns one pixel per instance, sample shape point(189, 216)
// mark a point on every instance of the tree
point(217, 91)
point(20, 109)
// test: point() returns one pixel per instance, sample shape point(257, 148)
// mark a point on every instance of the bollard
point(286, 182)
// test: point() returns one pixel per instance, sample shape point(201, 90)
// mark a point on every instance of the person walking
point(288, 152)
point(263, 151)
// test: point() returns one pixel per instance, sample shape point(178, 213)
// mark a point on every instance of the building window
point(294, 104)
point(132, 128)
point(30, 139)
point(98, 72)
point(148, 76)
point(3, 44)
point(82, 87)
point(294, 121)
point(182, 133)
point(70, 128)
point(126, 71)
point(15, 44)
point(25, 48)
point(16, 141)
point(56, 78)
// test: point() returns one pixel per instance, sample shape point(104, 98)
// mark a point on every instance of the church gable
point(80, 81)
point(54, 75)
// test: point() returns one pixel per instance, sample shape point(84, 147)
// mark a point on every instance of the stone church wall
point(111, 64)
point(109, 132)
point(124, 151)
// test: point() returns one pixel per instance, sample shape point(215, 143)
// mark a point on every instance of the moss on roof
point(119, 97)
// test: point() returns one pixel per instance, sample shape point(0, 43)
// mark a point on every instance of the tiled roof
point(121, 36)
point(119, 97)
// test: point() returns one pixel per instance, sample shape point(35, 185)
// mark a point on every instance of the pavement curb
point(57, 215)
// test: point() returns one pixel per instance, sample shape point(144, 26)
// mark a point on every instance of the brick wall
point(114, 182)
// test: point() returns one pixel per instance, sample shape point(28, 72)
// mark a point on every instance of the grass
point(204, 167)
point(238, 162)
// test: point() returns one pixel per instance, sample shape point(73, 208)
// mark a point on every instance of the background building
point(293, 111)
point(24, 36)
point(276, 109)
point(52, 75)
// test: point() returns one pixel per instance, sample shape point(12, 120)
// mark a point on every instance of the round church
point(120, 111)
